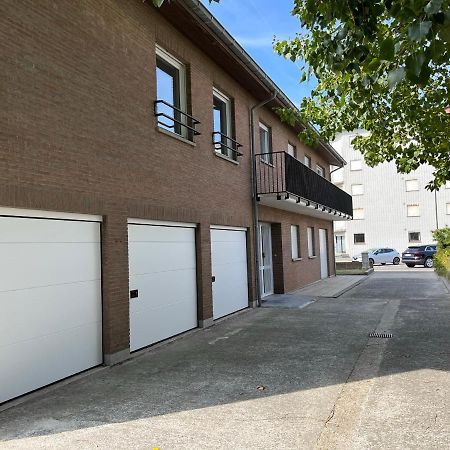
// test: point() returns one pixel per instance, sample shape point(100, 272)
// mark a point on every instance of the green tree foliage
point(382, 66)
point(442, 257)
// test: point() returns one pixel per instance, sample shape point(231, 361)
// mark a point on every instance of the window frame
point(170, 60)
point(359, 234)
point(322, 169)
point(294, 150)
point(447, 208)
point(352, 169)
point(295, 243)
point(266, 156)
point(412, 190)
point(311, 242)
point(358, 218)
point(414, 240)
point(309, 163)
point(408, 210)
point(221, 148)
point(359, 185)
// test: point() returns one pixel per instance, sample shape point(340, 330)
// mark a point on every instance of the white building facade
point(389, 209)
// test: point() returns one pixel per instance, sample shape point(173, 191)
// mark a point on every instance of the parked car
point(419, 255)
point(381, 256)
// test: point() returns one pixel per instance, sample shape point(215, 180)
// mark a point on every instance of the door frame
point(268, 228)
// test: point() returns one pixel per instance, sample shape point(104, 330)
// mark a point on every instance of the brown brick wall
point(78, 134)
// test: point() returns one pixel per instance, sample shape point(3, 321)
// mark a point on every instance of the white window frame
point(415, 185)
point(355, 215)
point(268, 159)
point(320, 170)
point(293, 148)
point(178, 65)
point(311, 243)
point(354, 167)
point(227, 101)
point(295, 243)
point(447, 206)
point(307, 161)
point(409, 212)
point(357, 189)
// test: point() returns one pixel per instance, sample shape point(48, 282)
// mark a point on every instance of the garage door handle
point(213, 279)
point(134, 293)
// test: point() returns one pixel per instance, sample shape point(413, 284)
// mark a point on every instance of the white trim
point(36, 213)
point(221, 95)
point(226, 227)
point(161, 223)
point(264, 127)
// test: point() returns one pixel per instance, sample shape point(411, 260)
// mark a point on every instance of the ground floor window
point(339, 241)
point(359, 238)
point(295, 242)
point(414, 236)
point(311, 246)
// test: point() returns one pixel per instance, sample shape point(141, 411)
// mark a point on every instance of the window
point(307, 161)
point(222, 124)
point(412, 185)
point(171, 89)
point(414, 236)
point(339, 240)
point(295, 242)
point(357, 189)
point(356, 164)
point(265, 143)
point(359, 238)
point(320, 170)
point(311, 246)
point(413, 210)
point(292, 150)
point(448, 208)
point(358, 213)
point(447, 185)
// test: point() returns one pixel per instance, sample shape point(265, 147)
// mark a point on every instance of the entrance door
point(265, 258)
point(323, 253)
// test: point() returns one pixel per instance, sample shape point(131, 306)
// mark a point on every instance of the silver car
point(381, 256)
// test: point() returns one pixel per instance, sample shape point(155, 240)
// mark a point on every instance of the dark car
point(419, 255)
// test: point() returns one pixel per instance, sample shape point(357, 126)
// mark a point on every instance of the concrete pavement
point(271, 378)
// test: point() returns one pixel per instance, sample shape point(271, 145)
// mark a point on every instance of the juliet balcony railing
point(226, 145)
point(281, 174)
point(171, 118)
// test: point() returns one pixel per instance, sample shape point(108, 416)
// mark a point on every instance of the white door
point(163, 284)
point(265, 259)
point(50, 301)
point(229, 271)
point(323, 253)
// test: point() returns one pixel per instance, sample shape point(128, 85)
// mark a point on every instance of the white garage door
point(163, 272)
point(229, 270)
point(50, 301)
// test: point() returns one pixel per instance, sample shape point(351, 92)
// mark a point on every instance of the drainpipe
point(255, 193)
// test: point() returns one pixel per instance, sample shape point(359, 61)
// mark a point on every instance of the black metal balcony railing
point(280, 173)
point(226, 145)
point(176, 120)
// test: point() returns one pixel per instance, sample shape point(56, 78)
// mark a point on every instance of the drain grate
point(380, 335)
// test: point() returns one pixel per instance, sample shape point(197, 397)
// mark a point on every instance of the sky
point(254, 23)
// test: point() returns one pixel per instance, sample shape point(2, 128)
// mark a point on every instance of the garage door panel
point(48, 310)
point(25, 229)
point(167, 256)
point(229, 267)
point(31, 265)
point(163, 269)
point(69, 352)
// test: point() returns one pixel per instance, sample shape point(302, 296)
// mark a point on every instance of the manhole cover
point(380, 335)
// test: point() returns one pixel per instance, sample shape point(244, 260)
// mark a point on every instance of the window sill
point(226, 158)
point(297, 259)
point(360, 243)
point(312, 257)
point(176, 136)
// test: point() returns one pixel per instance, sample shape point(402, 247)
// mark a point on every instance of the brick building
point(128, 189)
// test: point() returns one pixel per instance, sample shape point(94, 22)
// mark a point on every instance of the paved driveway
point(271, 378)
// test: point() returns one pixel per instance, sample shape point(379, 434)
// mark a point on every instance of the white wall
point(385, 201)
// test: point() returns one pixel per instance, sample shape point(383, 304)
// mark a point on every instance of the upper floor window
point(448, 208)
point(292, 150)
point(307, 161)
point(412, 185)
point(171, 92)
point(413, 210)
point(320, 170)
point(222, 124)
point(356, 164)
point(357, 189)
point(358, 214)
point(265, 143)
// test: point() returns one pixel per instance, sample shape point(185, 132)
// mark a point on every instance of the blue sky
point(253, 23)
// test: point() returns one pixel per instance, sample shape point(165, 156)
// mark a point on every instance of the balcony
point(173, 119)
point(283, 182)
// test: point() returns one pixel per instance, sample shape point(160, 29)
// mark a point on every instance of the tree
point(382, 66)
